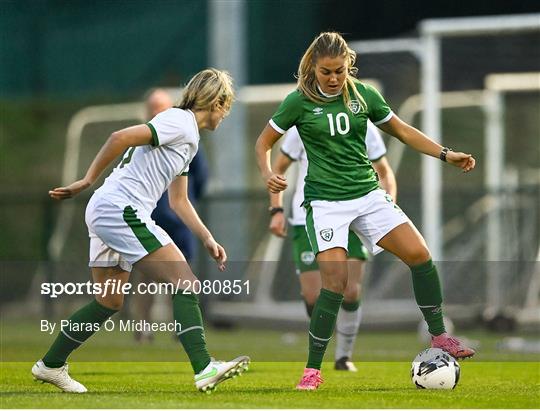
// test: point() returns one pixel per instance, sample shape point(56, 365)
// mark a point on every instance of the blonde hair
point(328, 44)
point(205, 89)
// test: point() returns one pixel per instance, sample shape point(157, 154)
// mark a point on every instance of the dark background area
point(83, 49)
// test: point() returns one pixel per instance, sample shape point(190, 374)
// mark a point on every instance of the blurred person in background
point(122, 233)
point(156, 101)
point(330, 109)
point(350, 312)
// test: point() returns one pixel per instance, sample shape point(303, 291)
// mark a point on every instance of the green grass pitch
point(120, 380)
point(270, 385)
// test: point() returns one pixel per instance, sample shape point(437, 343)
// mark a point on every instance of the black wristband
point(444, 151)
point(274, 210)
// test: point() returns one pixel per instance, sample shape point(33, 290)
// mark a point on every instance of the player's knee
point(115, 305)
point(418, 256)
point(336, 283)
point(113, 302)
point(352, 292)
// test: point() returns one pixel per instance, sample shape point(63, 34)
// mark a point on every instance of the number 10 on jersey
point(340, 123)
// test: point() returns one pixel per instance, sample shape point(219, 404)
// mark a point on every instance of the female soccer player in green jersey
point(123, 234)
point(330, 109)
point(350, 313)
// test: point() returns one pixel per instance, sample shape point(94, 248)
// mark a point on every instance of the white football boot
point(58, 377)
point(219, 371)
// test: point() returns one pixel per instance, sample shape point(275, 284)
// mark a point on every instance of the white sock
point(347, 325)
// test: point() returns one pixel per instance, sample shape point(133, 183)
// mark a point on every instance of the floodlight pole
point(227, 51)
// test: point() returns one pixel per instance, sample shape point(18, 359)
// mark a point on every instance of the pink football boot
point(310, 380)
point(452, 346)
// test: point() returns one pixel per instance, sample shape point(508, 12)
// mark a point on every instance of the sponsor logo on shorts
point(307, 257)
point(326, 234)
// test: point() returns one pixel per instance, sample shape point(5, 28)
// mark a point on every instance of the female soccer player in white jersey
point(122, 234)
point(330, 109)
point(350, 312)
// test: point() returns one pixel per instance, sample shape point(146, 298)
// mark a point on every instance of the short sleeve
point(374, 142)
point(292, 145)
point(378, 110)
point(166, 127)
point(185, 172)
point(288, 113)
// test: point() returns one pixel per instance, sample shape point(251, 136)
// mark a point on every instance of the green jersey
point(334, 137)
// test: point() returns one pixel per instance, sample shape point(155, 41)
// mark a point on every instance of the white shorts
point(371, 217)
point(120, 235)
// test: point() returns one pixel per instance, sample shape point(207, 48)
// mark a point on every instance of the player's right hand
point(63, 193)
point(217, 252)
point(278, 225)
point(276, 183)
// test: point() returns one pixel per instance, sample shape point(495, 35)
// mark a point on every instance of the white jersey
point(145, 172)
point(293, 148)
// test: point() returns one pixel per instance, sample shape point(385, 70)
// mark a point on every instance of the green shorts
point(304, 258)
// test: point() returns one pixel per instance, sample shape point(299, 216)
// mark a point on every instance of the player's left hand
point(464, 161)
point(217, 252)
point(63, 193)
point(278, 225)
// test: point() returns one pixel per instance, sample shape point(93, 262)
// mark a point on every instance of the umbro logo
point(317, 111)
point(326, 234)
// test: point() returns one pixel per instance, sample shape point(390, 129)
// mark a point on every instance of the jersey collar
point(326, 94)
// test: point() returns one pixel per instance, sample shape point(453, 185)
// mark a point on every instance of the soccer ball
point(434, 368)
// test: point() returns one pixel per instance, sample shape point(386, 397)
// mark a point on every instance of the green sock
point(82, 325)
point(187, 313)
point(322, 325)
point(428, 294)
point(355, 305)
